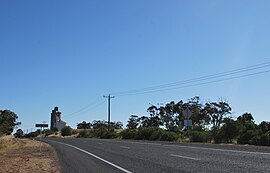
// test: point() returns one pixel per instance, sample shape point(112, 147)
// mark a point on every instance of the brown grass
point(23, 156)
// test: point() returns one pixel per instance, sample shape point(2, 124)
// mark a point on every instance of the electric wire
point(91, 105)
point(92, 108)
point(204, 83)
point(218, 76)
point(203, 80)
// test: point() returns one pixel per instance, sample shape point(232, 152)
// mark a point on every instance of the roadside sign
point(187, 113)
point(41, 125)
point(188, 123)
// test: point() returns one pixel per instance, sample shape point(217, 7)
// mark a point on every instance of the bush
point(66, 131)
point(32, 134)
point(169, 136)
point(217, 135)
point(105, 134)
point(128, 134)
point(149, 133)
point(245, 138)
point(255, 140)
point(84, 134)
point(144, 133)
point(97, 133)
point(200, 136)
point(265, 139)
point(48, 132)
point(157, 134)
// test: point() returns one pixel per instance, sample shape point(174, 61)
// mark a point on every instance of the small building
point(56, 121)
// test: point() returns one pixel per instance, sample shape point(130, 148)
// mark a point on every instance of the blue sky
point(71, 53)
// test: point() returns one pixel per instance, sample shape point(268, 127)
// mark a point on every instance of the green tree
point(84, 125)
point(98, 124)
point(169, 116)
point(199, 117)
point(7, 121)
point(116, 125)
point(217, 111)
point(19, 133)
point(133, 122)
point(154, 119)
point(66, 131)
point(144, 121)
point(229, 130)
point(265, 126)
point(245, 118)
point(248, 130)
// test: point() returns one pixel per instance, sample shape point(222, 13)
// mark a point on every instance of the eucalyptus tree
point(217, 111)
point(84, 125)
point(7, 121)
point(133, 122)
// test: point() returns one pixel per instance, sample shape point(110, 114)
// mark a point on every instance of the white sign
point(188, 123)
point(187, 113)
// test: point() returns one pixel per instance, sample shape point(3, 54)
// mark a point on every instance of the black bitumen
point(147, 156)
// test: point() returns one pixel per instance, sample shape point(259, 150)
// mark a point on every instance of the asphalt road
point(94, 155)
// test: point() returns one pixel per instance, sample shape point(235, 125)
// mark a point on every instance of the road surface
point(95, 155)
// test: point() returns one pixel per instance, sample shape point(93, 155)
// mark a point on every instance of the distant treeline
point(211, 122)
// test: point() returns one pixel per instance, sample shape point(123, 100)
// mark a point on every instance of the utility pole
point(109, 109)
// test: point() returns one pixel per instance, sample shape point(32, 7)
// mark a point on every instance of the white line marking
point(216, 149)
point(99, 143)
point(125, 147)
point(185, 157)
point(144, 143)
point(99, 158)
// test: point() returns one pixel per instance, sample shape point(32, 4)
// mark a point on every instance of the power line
point(93, 107)
point(204, 83)
point(85, 107)
point(183, 84)
point(203, 80)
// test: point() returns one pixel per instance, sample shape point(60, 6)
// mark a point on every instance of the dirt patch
point(23, 156)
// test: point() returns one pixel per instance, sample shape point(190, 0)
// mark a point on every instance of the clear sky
point(70, 53)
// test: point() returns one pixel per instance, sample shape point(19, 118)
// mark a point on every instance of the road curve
point(96, 155)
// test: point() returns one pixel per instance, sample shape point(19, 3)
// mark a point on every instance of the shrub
point(48, 132)
point(128, 134)
point(149, 133)
point(217, 135)
point(97, 133)
point(200, 136)
point(255, 140)
point(169, 136)
point(83, 134)
point(66, 131)
point(32, 134)
point(104, 133)
point(265, 139)
point(144, 133)
point(245, 138)
point(157, 134)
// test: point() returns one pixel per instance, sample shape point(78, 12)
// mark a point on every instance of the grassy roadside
point(23, 156)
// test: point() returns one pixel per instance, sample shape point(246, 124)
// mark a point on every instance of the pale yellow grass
point(23, 156)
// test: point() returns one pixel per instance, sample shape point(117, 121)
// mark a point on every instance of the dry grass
point(23, 156)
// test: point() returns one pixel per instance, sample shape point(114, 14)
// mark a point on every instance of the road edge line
point(97, 157)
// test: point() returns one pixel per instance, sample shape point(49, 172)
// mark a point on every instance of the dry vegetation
point(23, 156)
